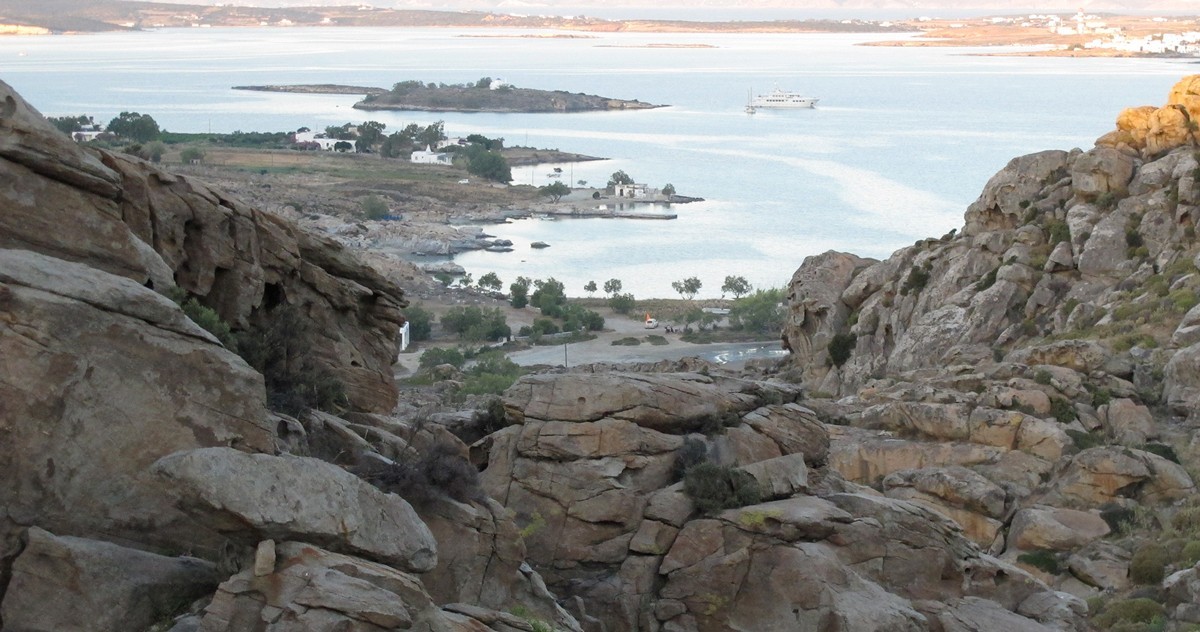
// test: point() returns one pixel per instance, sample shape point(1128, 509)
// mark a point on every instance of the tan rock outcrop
point(66, 584)
point(128, 217)
point(101, 378)
point(1152, 130)
point(254, 497)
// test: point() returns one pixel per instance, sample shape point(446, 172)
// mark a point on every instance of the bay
point(901, 142)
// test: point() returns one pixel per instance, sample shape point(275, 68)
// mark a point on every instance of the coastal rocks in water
point(252, 497)
point(68, 584)
point(413, 95)
point(539, 245)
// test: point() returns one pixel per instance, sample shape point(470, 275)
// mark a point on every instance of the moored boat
point(778, 98)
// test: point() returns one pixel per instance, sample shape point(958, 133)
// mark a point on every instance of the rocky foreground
point(953, 420)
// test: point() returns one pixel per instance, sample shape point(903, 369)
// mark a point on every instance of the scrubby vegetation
point(439, 471)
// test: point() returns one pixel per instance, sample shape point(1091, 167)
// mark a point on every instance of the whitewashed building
point(430, 157)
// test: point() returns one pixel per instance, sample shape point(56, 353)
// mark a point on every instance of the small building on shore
point(634, 191)
point(430, 157)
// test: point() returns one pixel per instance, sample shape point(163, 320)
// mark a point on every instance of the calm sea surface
point(902, 141)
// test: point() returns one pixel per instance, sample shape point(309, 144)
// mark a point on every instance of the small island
point(490, 95)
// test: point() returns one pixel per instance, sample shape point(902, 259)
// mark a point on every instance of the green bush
point(657, 340)
point(840, 348)
point(626, 342)
point(918, 278)
point(374, 207)
point(491, 374)
point(1140, 610)
point(622, 303)
point(436, 356)
point(1190, 554)
point(1042, 560)
point(1148, 564)
point(987, 281)
point(1187, 521)
point(1058, 231)
point(1043, 377)
point(1083, 439)
point(714, 488)
point(1063, 410)
point(693, 452)
point(475, 324)
point(420, 322)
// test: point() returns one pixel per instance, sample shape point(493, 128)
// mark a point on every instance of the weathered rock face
point(65, 584)
point(296, 498)
point(127, 217)
point(102, 377)
point(605, 521)
point(308, 589)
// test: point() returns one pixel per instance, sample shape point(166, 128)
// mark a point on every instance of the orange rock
point(1168, 129)
point(1187, 94)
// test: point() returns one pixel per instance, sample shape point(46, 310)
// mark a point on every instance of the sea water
point(903, 139)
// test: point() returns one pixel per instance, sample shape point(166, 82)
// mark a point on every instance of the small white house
point(430, 157)
point(405, 336)
point(634, 191)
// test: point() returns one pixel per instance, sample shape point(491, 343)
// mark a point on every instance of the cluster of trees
point(406, 87)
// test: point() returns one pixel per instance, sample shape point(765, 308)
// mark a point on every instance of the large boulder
point(253, 497)
point(67, 584)
point(103, 377)
point(128, 217)
point(308, 589)
point(816, 311)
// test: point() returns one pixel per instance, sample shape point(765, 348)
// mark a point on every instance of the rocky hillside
point(988, 452)
point(1035, 375)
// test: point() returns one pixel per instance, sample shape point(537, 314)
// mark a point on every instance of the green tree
point(612, 286)
point(370, 134)
point(622, 303)
point(69, 124)
point(484, 83)
point(619, 177)
point(519, 292)
point(668, 189)
point(488, 164)
point(433, 134)
point(590, 288)
point(374, 207)
point(840, 348)
point(139, 127)
point(738, 286)
point(340, 132)
point(420, 322)
point(555, 191)
point(761, 312)
point(490, 281)
point(154, 150)
point(191, 155)
point(476, 324)
point(687, 288)
point(549, 296)
point(343, 146)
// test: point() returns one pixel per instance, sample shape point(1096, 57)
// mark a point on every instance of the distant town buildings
point(1109, 37)
point(430, 157)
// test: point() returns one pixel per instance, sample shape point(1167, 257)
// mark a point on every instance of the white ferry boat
point(782, 99)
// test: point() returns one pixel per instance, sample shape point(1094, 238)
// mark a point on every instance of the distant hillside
point(101, 15)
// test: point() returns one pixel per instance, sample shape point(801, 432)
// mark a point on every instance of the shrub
point(1042, 560)
point(622, 303)
point(626, 342)
point(1129, 611)
point(544, 326)
point(440, 471)
point(1083, 439)
point(840, 348)
point(1063, 410)
point(374, 207)
point(657, 340)
point(210, 321)
point(436, 356)
point(492, 374)
point(918, 278)
point(1117, 517)
point(1148, 564)
point(693, 452)
point(987, 281)
point(1101, 397)
point(475, 324)
point(420, 322)
point(294, 380)
point(714, 488)
point(1187, 521)
point(1043, 377)
point(716, 423)
point(1058, 231)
